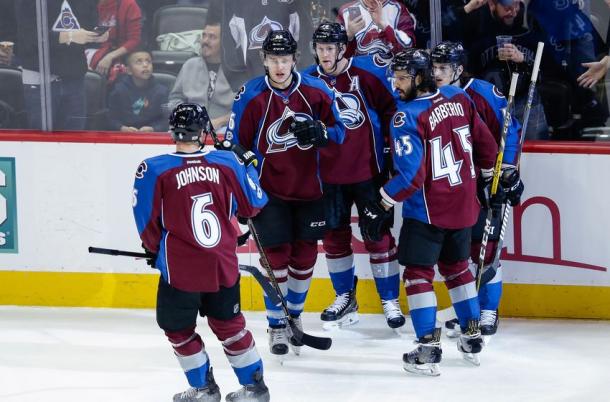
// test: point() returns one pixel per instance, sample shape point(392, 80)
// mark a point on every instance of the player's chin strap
point(456, 77)
point(337, 59)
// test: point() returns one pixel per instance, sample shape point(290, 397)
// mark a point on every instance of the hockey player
point(439, 143)
point(352, 172)
point(284, 118)
point(448, 61)
point(182, 204)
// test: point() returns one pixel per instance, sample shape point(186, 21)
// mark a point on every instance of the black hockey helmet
point(412, 61)
point(449, 52)
point(280, 42)
point(330, 32)
point(187, 120)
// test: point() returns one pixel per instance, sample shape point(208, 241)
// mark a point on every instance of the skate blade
point(280, 358)
point(296, 350)
point(453, 333)
point(428, 369)
point(345, 321)
point(472, 358)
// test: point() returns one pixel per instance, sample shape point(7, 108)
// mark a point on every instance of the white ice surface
point(75, 354)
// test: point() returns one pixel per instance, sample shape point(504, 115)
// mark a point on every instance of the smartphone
point(100, 30)
point(353, 12)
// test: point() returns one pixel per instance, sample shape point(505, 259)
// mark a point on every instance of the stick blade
point(315, 342)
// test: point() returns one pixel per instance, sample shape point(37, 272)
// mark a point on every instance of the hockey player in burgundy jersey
point(285, 118)
point(182, 204)
point(448, 61)
point(383, 27)
point(352, 172)
point(439, 144)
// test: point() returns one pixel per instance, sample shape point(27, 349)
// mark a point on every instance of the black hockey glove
point(512, 185)
point(374, 219)
point(151, 258)
point(487, 201)
point(310, 132)
point(247, 157)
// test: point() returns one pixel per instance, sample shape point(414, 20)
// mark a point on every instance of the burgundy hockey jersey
point(365, 101)
point(183, 204)
point(439, 143)
point(260, 121)
point(398, 35)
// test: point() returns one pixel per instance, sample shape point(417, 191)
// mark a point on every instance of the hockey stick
point(109, 251)
point(264, 282)
point(496, 179)
point(493, 268)
point(448, 314)
point(316, 342)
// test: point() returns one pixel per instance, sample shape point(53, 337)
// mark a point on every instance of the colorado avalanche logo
point(368, 42)
point(279, 136)
point(141, 170)
point(66, 21)
point(399, 119)
point(349, 110)
point(260, 31)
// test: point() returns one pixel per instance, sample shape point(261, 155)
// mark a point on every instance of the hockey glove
point(512, 185)
point(151, 258)
point(374, 219)
point(310, 132)
point(247, 157)
point(487, 201)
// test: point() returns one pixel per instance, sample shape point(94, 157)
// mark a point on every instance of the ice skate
point(393, 314)
point(295, 345)
point(425, 358)
point(278, 341)
point(257, 392)
point(209, 393)
point(453, 328)
point(489, 324)
point(343, 312)
point(470, 343)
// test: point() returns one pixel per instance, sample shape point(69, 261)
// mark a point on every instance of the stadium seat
point(169, 62)
point(178, 19)
point(11, 98)
point(165, 79)
point(95, 94)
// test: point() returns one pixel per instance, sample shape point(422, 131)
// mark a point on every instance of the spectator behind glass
point(573, 43)
point(123, 20)
point(376, 26)
point(201, 80)
point(70, 29)
point(136, 100)
point(495, 64)
point(8, 32)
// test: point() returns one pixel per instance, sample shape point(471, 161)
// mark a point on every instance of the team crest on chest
point(279, 137)
point(66, 20)
point(349, 109)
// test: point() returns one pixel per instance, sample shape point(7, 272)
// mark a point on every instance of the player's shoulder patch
point(240, 92)
point(497, 92)
point(381, 61)
point(142, 169)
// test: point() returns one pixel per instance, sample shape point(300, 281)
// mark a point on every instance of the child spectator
point(136, 99)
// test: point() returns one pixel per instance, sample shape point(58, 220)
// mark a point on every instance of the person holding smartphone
point(122, 19)
point(377, 26)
